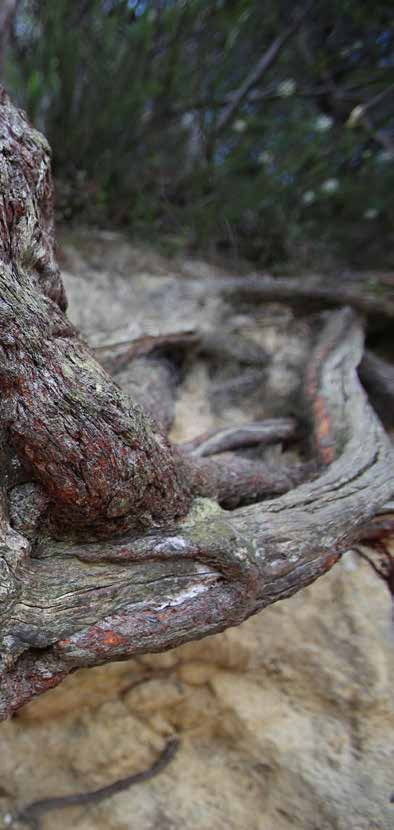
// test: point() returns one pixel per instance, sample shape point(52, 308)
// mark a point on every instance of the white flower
point(323, 123)
point(371, 213)
point(355, 116)
point(187, 120)
point(287, 88)
point(309, 197)
point(265, 157)
point(330, 186)
point(240, 125)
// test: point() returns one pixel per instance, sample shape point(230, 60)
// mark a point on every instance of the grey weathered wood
point(371, 298)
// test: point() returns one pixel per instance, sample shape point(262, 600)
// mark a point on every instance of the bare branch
point(260, 68)
point(379, 136)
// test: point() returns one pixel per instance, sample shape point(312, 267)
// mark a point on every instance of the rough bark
point(109, 546)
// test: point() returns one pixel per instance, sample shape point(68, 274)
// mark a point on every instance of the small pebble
point(349, 561)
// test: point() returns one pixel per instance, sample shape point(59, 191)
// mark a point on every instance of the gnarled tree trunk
point(115, 542)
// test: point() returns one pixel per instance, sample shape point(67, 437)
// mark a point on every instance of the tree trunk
point(115, 542)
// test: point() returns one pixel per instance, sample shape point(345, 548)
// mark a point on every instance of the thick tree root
point(151, 592)
point(234, 481)
point(124, 556)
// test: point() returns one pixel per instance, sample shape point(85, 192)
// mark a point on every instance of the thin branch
point(257, 72)
point(270, 93)
point(378, 135)
point(378, 98)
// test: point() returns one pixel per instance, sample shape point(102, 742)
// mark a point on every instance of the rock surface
point(285, 722)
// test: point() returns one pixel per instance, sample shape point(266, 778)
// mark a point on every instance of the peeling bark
point(113, 542)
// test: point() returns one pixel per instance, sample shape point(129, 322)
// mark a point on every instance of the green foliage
point(133, 97)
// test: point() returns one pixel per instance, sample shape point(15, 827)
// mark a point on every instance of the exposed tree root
point(246, 435)
point(373, 299)
point(234, 481)
point(32, 813)
point(118, 547)
point(213, 569)
point(151, 365)
point(117, 356)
